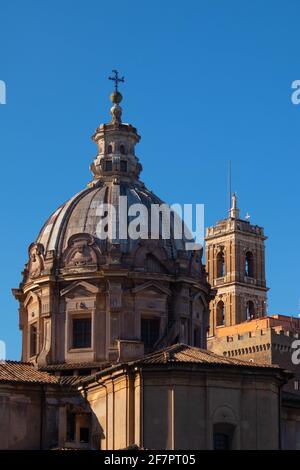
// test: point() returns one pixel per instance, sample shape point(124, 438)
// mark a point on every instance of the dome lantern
point(116, 145)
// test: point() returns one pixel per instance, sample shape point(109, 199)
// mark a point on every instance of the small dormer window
point(109, 149)
point(122, 149)
point(123, 166)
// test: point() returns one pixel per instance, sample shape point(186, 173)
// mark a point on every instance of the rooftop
point(24, 372)
point(75, 365)
point(277, 322)
point(182, 353)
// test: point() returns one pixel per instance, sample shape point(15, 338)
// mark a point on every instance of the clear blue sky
point(205, 82)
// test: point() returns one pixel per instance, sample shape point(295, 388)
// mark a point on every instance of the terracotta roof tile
point(182, 353)
point(72, 380)
point(14, 371)
point(75, 365)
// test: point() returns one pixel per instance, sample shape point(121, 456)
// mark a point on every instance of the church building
point(129, 341)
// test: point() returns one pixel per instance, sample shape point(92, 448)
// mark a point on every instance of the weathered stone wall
point(178, 409)
point(28, 416)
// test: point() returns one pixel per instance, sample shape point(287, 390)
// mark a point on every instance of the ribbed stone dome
point(80, 215)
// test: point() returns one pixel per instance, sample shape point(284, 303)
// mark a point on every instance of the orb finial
point(116, 98)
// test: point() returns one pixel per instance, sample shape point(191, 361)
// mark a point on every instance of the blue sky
point(205, 82)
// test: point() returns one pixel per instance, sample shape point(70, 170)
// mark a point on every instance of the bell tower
point(235, 261)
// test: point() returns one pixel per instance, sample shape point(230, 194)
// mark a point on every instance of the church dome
point(116, 171)
point(93, 290)
point(81, 215)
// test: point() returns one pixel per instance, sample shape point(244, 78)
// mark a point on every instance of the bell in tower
point(235, 261)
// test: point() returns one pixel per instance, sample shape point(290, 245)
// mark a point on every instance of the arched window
point(109, 149)
point(122, 149)
point(249, 264)
point(220, 264)
point(220, 317)
point(250, 310)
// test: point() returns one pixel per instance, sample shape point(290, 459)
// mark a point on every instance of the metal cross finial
point(116, 79)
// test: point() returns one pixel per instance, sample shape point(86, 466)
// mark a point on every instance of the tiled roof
point(14, 371)
point(75, 365)
point(182, 353)
point(71, 380)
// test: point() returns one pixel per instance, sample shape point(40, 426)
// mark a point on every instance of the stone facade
point(186, 404)
point(235, 257)
point(180, 397)
point(235, 262)
point(267, 340)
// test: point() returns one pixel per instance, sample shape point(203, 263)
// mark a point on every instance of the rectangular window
point(82, 333)
point(221, 441)
point(33, 339)
point(123, 166)
point(149, 332)
point(84, 435)
point(108, 165)
point(296, 385)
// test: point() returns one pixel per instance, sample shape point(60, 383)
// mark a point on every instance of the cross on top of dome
point(116, 79)
point(116, 98)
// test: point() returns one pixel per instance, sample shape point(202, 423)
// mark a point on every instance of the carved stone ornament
point(36, 260)
point(196, 262)
point(81, 251)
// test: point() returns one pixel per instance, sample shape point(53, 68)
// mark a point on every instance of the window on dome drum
point(249, 264)
point(109, 149)
point(220, 264)
point(223, 436)
point(33, 339)
point(149, 332)
point(82, 333)
point(108, 165)
point(122, 149)
point(296, 385)
point(220, 317)
point(123, 166)
point(250, 310)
